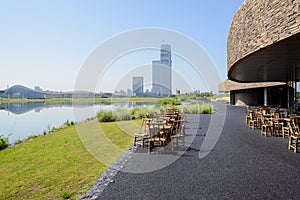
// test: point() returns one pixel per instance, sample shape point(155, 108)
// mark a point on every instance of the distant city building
point(147, 92)
point(19, 91)
point(129, 92)
point(138, 85)
point(162, 73)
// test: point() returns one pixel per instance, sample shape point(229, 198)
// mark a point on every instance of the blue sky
point(45, 43)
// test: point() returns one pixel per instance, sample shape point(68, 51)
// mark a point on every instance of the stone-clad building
point(264, 44)
point(253, 94)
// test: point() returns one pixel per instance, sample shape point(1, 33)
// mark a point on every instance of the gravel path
point(242, 165)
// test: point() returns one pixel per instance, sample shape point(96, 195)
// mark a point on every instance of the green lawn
point(58, 164)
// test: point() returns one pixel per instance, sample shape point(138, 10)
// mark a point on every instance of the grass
point(58, 165)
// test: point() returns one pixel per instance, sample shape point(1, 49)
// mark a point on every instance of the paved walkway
point(242, 165)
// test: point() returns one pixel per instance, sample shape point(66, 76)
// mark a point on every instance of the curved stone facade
point(260, 23)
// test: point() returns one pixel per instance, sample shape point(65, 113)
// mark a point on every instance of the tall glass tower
point(138, 85)
point(162, 72)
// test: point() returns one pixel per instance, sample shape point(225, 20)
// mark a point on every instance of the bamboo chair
point(266, 126)
point(179, 133)
point(294, 137)
point(252, 121)
point(286, 128)
point(278, 126)
point(248, 115)
point(156, 134)
point(139, 138)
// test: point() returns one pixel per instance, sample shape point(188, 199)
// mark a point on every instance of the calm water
point(25, 119)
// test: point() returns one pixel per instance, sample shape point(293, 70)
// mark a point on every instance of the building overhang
point(277, 62)
point(229, 85)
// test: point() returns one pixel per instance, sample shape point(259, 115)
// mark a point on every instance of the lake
point(33, 118)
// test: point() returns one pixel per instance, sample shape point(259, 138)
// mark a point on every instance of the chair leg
point(290, 143)
point(150, 145)
point(296, 145)
point(271, 130)
point(264, 131)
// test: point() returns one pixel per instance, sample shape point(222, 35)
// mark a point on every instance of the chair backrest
point(262, 119)
point(154, 128)
point(294, 129)
point(181, 128)
point(251, 115)
point(145, 125)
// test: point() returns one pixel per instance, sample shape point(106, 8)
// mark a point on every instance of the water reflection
point(23, 107)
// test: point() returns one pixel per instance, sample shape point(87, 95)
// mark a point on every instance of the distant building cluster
point(161, 76)
point(161, 84)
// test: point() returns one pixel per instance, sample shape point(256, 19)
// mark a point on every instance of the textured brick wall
point(259, 23)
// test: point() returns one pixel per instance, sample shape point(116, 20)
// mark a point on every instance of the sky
point(46, 42)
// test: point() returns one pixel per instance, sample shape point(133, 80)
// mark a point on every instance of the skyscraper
point(162, 72)
point(138, 85)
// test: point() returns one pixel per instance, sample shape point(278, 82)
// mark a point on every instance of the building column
point(265, 96)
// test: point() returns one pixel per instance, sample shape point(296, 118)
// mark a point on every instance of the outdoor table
point(159, 132)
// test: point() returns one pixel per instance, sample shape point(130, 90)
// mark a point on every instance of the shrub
point(69, 123)
point(206, 109)
point(31, 137)
point(202, 108)
point(19, 141)
point(192, 109)
point(3, 142)
point(105, 116)
point(121, 114)
point(141, 111)
point(149, 111)
point(169, 102)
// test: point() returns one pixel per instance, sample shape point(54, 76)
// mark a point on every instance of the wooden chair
point(156, 134)
point(278, 125)
point(248, 115)
point(179, 132)
point(252, 121)
point(139, 138)
point(267, 125)
point(294, 137)
point(286, 128)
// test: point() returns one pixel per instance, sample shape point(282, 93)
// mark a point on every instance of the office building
point(162, 73)
point(138, 85)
